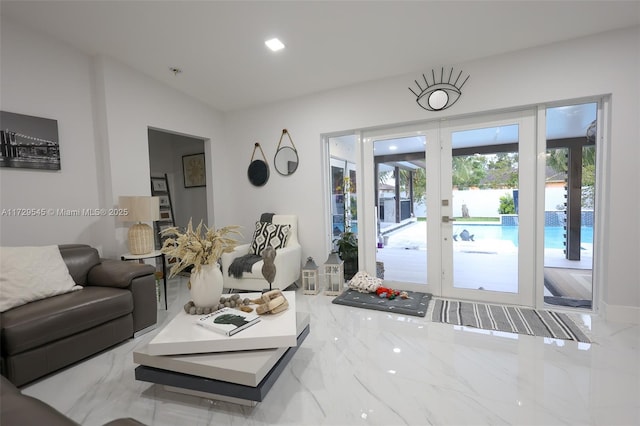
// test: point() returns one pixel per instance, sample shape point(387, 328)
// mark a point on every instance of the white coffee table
point(183, 336)
point(239, 376)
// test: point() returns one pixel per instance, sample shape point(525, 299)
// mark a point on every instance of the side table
point(154, 254)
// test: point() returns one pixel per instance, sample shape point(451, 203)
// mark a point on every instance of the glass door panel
point(343, 201)
point(485, 230)
point(569, 205)
point(400, 180)
point(482, 210)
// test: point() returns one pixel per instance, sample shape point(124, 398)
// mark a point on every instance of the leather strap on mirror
point(257, 145)
point(285, 132)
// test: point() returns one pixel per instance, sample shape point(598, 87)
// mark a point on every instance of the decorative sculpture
point(269, 267)
point(439, 93)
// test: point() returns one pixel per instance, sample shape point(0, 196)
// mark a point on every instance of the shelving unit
point(160, 188)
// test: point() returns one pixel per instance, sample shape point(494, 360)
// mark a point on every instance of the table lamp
point(140, 209)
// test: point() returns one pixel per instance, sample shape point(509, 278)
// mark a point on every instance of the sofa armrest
point(128, 421)
point(138, 278)
point(288, 263)
point(19, 409)
point(115, 273)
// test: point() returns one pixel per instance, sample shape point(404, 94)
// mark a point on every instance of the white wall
point(134, 103)
point(104, 110)
point(43, 78)
point(592, 66)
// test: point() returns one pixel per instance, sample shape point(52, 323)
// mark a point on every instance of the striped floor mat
point(512, 319)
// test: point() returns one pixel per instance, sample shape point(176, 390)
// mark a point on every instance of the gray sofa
point(22, 410)
point(118, 299)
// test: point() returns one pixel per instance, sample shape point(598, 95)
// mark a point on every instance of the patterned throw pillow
point(364, 283)
point(269, 234)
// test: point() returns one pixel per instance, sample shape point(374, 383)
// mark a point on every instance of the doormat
point(511, 319)
point(415, 305)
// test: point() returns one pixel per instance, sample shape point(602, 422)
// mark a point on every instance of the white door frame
point(368, 231)
point(439, 261)
point(527, 154)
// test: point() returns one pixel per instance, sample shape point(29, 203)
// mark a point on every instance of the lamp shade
point(140, 208)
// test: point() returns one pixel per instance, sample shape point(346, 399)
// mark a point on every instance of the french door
point(487, 232)
point(472, 250)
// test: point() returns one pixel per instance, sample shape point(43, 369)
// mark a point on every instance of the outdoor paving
point(476, 262)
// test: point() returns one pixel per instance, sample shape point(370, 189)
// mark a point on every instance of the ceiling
point(219, 45)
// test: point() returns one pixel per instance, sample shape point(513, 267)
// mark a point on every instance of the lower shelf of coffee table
point(218, 389)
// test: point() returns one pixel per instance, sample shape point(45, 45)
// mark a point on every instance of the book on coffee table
point(228, 321)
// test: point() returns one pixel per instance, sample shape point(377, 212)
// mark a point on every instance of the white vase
point(206, 286)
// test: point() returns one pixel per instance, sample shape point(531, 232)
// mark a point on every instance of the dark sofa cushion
point(44, 321)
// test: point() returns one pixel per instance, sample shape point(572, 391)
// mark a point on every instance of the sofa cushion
point(32, 273)
point(44, 321)
point(269, 234)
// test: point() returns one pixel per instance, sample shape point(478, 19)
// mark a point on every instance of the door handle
point(447, 219)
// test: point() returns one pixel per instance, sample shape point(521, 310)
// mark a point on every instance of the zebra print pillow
point(269, 234)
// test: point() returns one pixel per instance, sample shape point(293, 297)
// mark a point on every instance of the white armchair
point(288, 262)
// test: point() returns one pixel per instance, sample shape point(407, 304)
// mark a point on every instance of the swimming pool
point(553, 235)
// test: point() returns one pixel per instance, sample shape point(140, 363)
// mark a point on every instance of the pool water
point(553, 235)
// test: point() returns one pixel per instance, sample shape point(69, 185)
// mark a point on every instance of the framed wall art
point(166, 216)
point(158, 185)
point(164, 201)
point(28, 142)
point(194, 170)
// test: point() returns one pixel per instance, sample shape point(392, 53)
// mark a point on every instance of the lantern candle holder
point(310, 283)
point(334, 275)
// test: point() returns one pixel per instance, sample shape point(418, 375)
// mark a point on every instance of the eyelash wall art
point(439, 94)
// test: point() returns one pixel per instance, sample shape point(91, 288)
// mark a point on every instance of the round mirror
point(286, 160)
point(258, 172)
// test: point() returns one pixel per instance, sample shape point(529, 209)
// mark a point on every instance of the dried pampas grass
point(197, 248)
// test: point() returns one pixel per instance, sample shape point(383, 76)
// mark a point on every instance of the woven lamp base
point(141, 239)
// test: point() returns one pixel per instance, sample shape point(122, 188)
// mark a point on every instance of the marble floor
point(361, 367)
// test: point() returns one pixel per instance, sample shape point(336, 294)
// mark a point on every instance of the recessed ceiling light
point(393, 148)
point(274, 44)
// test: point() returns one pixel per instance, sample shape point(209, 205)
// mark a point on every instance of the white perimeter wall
point(486, 202)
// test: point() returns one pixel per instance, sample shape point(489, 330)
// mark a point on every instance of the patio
point(405, 260)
